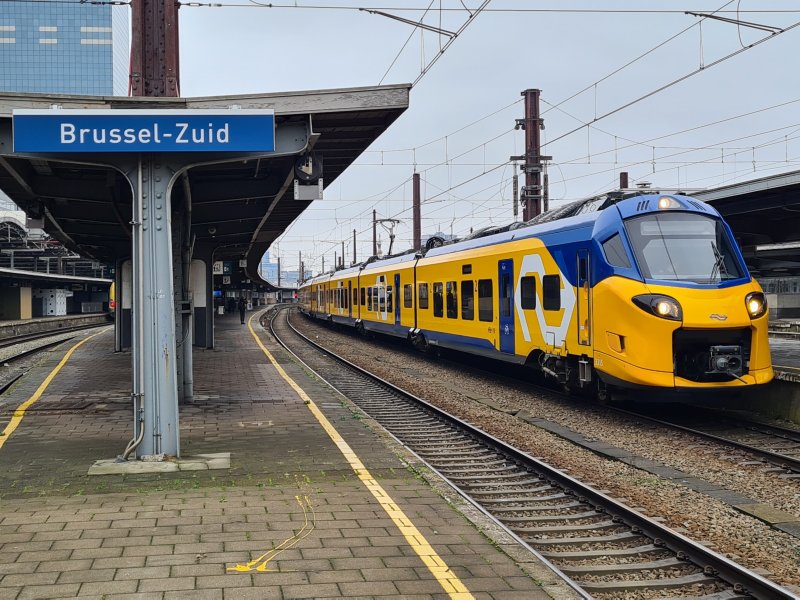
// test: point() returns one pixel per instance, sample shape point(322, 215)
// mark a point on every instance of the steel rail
point(781, 460)
point(740, 578)
point(30, 337)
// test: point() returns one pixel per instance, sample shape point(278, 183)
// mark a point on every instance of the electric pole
point(534, 197)
point(417, 215)
point(374, 233)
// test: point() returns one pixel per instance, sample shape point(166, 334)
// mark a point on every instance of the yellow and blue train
point(647, 292)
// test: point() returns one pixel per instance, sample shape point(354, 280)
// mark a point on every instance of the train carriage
point(387, 303)
point(343, 306)
point(644, 292)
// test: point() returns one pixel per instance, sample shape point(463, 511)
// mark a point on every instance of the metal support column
point(154, 356)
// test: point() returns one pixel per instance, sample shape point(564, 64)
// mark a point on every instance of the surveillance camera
point(212, 230)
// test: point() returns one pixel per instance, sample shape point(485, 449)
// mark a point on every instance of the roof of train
point(573, 216)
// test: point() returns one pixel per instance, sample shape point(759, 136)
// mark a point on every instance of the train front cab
point(674, 307)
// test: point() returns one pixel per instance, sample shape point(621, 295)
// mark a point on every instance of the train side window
point(363, 296)
point(346, 297)
point(380, 292)
point(528, 292)
point(438, 300)
point(615, 253)
point(452, 300)
point(423, 295)
point(468, 300)
point(355, 296)
point(485, 300)
point(407, 291)
point(389, 307)
point(551, 288)
point(369, 298)
point(505, 295)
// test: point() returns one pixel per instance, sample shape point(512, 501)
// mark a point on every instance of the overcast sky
point(466, 178)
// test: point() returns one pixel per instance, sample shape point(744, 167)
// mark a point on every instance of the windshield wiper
point(719, 263)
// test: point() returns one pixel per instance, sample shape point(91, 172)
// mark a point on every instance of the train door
point(349, 298)
point(397, 298)
point(505, 290)
point(584, 307)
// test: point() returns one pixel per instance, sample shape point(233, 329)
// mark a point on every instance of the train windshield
point(677, 246)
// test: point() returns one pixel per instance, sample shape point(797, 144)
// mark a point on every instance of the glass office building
point(64, 48)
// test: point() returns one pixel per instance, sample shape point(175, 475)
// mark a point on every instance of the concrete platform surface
point(785, 358)
point(290, 518)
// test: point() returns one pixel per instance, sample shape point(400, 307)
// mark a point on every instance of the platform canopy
point(238, 208)
point(764, 215)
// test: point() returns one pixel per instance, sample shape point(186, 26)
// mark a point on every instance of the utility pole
point(533, 196)
point(374, 233)
point(354, 246)
point(323, 264)
point(417, 215)
point(623, 180)
point(335, 261)
point(300, 262)
point(343, 254)
point(279, 271)
point(515, 192)
point(154, 48)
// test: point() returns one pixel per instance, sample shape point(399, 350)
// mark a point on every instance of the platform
point(10, 328)
point(785, 358)
point(289, 519)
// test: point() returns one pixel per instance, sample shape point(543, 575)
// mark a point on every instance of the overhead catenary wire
point(674, 82)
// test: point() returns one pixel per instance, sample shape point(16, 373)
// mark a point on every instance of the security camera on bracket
point(308, 183)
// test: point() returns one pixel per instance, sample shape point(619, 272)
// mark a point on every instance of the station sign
point(130, 130)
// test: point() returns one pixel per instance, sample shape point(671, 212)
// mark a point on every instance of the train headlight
point(756, 304)
point(661, 306)
point(666, 202)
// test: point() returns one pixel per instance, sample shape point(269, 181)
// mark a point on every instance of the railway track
point(604, 547)
point(30, 337)
point(777, 446)
point(10, 357)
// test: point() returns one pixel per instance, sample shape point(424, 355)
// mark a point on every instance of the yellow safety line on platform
point(16, 419)
point(438, 568)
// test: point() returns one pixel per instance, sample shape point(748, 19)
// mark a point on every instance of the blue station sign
point(161, 130)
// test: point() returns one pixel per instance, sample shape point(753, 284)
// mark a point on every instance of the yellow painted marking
point(260, 563)
point(449, 581)
point(16, 419)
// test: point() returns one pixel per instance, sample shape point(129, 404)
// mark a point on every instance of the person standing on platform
point(242, 307)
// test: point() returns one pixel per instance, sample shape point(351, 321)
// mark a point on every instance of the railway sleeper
point(467, 469)
point(568, 528)
point(566, 541)
point(461, 462)
point(414, 433)
point(608, 553)
point(648, 584)
point(528, 508)
point(612, 569)
point(530, 494)
point(500, 478)
point(551, 518)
